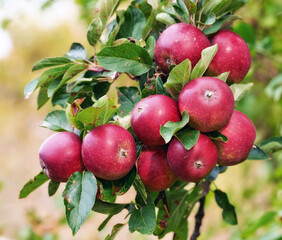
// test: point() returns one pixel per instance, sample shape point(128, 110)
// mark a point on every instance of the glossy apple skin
point(233, 55)
point(109, 152)
point(60, 156)
point(195, 164)
point(241, 134)
point(153, 169)
point(149, 114)
point(178, 42)
point(209, 103)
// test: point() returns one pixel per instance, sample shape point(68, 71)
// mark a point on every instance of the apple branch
point(199, 217)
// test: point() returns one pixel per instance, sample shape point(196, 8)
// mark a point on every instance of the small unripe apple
point(153, 168)
point(241, 134)
point(109, 152)
point(233, 55)
point(149, 114)
point(195, 164)
point(60, 156)
point(177, 43)
point(209, 103)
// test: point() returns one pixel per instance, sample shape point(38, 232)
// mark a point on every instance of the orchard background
point(31, 30)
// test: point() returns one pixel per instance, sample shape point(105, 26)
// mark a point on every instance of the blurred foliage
point(254, 188)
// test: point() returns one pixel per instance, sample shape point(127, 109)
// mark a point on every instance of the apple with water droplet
point(195, 164)
point(153, 168)
point(149, 114)
point(241, 134)
point(109, 152)
point(60, 156)
point(209, 103)
point(177, 43)
point(233, 56)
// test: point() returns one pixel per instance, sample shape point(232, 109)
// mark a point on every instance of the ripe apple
point(195, 164)
point(153, 168)
point(209, 103)
point(177, 43)
point(233, 55)
point(241, 134)
point(149, 114)
point(109, 152)
point(60, 156)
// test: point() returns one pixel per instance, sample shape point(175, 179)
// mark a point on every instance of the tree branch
point(199, 217)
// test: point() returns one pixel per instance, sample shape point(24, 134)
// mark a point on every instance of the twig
point(199, 217)
point(162, 196)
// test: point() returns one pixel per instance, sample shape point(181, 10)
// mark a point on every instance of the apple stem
point(162, 196)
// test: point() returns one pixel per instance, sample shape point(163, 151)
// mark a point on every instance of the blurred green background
point(34, 29)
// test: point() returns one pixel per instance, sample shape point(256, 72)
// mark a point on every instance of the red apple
point(109, 152)
point(149, 114)
point(195, 164)
point(241, 134)
point(233, 55)
point(60, 156)
point(177, 43)
point(209, 103)
point(153, 169)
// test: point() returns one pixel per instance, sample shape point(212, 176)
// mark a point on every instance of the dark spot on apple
point(198, 164)
point(169, 62)
point(139, 109)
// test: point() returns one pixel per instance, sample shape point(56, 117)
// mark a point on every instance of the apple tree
point(169, 137)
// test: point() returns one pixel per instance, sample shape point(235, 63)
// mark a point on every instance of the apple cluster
point(109, 151)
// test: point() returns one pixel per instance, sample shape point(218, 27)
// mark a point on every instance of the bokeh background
point(34, 29)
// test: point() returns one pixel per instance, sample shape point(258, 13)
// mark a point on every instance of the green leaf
point(203, 64)
point(33, 184)
point(181, 233)
point(140, 188)
point(153, 87)
point(257, 154)
point(113, 33)
point(51, 74)
point(104, 223)
point(222, 7)
point(56, 121)
point(240, 90)
point(188, 137)
point(79, 198)
point(107, 191)
point(126, 57)
point(149, 24)
point(182, 11)
point(265, 219)
point(126, 182)
point(115, 230)
point(30, 87)
point(220, 23)
point(94, 31)
point(143, 220)
point(271, 145)
point(178, 209)
point(127, 97)
point(150, 45)
point(133, 24)
point(71, 73)
point(170, 128)
point(42, 97)
point(165, 18)
point(228, 214)
point(50, 62)
point(108, 208)
point(223, 76)
point(178, 78)
point(99, 114)
point(77, 51)
point(53, 187)
point(61, 97)
point(217, 136)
